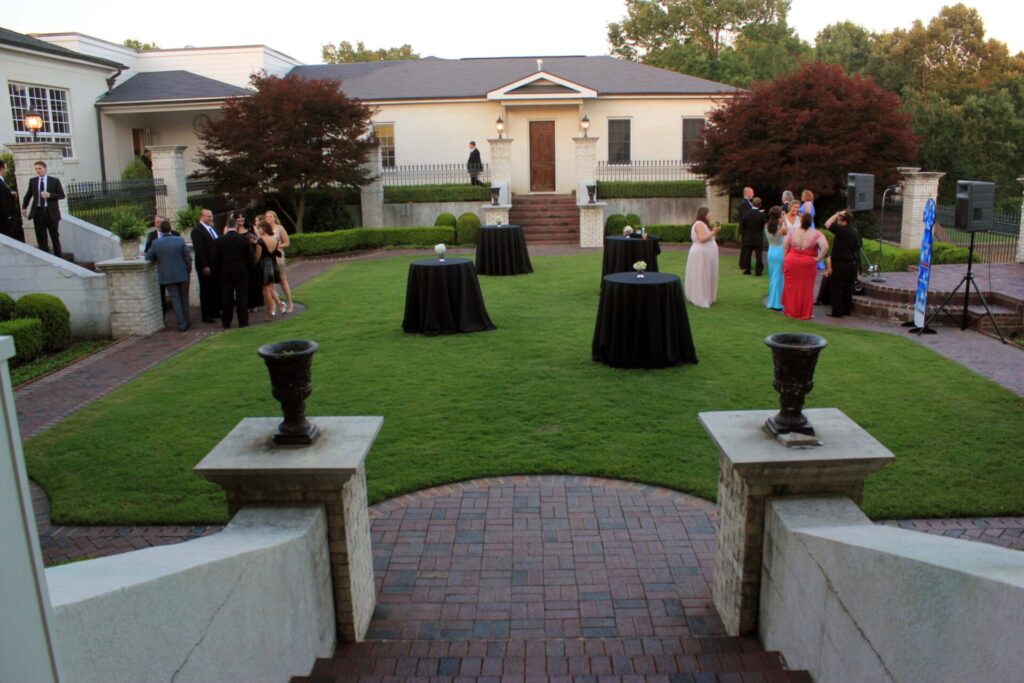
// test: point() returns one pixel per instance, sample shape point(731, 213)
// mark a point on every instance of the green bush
point(320, 243)
point(6, 307)
point(614, 224)
point(436, 193)
point(28, 337)
point(128, 224)
point(467, 229)
point(446, 219)
point(895, 259)
point(634, 220)
point(186, 219)
point(690, 189)
point(54, 315)
point(666, 232)
point(327, 215)
point(136, 170)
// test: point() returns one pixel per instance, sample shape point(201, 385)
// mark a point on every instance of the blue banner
point(924, 266)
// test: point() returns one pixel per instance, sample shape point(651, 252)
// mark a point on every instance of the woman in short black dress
point(266, 267)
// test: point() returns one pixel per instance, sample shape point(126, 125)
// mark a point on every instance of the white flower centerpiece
point(627, 231)
point(440, 250)
point(640, 267)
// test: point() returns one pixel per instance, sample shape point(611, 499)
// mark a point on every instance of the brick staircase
point(547, 218)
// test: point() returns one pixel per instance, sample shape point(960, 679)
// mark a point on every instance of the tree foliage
point(344, 53)
point(846, 44)
point(291, 135)
point(136, 44)
point(807, 129)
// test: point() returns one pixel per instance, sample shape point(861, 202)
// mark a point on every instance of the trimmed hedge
point(730, 232)
point(614, 224)
point(54, 315)
point(895, 259)
point(6, 307)
point(436, 193)
point(446, 219)
point(319, 243)
point(614, 189)
point(467, 229)
point(28, 337)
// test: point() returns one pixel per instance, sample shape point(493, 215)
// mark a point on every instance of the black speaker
point(975, 203)
point(860, 191)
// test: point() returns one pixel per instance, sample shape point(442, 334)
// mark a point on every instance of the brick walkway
point(552, 578)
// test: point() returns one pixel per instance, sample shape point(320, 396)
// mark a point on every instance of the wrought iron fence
point(650, 170)
point(97, 202)
point(998, 245)
point(432, 174)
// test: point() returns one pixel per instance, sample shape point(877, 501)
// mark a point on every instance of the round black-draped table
point(642, 323)
point(620, 253)
point(444, 298)
point(501, 250)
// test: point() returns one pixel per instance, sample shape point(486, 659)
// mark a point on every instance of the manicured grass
point(55, 361)
point(526, 398)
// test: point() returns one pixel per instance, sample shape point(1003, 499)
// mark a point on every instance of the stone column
point(135, 306)
point(501, 168)
point(169, 167)
point(591, 224)
point(918, 188)
point(371, 195)
point(26, 154)
point(1020, 235)
point(753, 466)
point(330, 472)
point(495, 214)
point(717, 198)
point(586, 165)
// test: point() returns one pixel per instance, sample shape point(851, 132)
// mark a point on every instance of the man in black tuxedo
point(204, 241)
point(752, 237)
point(842, 275)
point(474, 165)
point(44, 195)
point(10, 217)
point(746, 204)
point(234, 257)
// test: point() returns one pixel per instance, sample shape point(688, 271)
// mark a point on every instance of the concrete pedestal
point(501, 163)
point(371, 195)
point(754, 466)
point(252, 471)
point(717, 198)
point(135, 306)
point(169, 166)
point(592, 224)
point(495, 215)
point(918, 188)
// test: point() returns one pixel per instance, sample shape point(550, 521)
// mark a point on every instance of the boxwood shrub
point(614, 189)
point(6, 307)
point(634, 220)
point(435, 193)
point(446, 219)
point(54, 315)
point(614, 224)
point(467, 229)
point(28, 337)
point(320, 243)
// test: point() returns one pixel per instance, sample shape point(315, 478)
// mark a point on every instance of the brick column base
point(592, 224)
point(135, 306)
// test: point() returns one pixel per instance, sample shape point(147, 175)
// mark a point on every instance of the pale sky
point(443, 28)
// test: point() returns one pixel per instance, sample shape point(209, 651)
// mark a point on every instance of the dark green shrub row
point(319, 243)
point(53, 314)
point(614, 189)
point(730, 232)
point(436, 193)
point(467, 228)
point(895, 259)
point(6, 307)
point(614, 224)
point(28, 337)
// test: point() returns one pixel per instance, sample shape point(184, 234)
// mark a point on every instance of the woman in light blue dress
point(775, 235)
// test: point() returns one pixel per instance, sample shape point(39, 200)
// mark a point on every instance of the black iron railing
point(97, 202)
point(998, 245)
point(650, 170)
point(432, 174)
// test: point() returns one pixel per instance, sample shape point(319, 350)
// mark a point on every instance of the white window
point(51, 104)
point(619, 141)
point(693, 139)
point(385, 133)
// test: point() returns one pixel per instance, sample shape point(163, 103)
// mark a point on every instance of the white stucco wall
point(252, 603)
point(166, 128)
point(88, 243)
point(848, 600)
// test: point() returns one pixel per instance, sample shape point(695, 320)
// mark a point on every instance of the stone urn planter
point(794, 357)
point(592, 194)
point(130, 248)
point(495, 195)
point(290, 364)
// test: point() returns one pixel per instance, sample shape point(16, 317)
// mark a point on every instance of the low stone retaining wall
point(411, 214)
point(89, 243)
point(252, 603)
point(659, 210)
point(851, 601)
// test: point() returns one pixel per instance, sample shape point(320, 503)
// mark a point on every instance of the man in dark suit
point(843, 260)
point(44, 195)
point(746, 204)
point(204, 241)
point(174, 263)
point(153, 236)
point(10, 217)
point(474, 165)
point(234, 257)
point(752, 237)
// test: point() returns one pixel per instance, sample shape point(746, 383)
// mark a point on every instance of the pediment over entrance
point(541, 85)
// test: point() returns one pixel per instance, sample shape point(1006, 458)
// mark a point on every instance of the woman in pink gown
point(702, 261)
point(804, 248)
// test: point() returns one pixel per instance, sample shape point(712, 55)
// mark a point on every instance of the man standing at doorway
point(44, 195)
point(474, 165)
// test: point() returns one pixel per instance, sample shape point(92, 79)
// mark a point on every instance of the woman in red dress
point(804, 248)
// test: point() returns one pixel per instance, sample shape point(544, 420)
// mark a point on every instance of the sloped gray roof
point(161, 86)
point(448, 78)
point(23, 41)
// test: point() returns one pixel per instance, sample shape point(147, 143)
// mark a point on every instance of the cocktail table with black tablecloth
point(642, 323)
point(444, 298)
point(501, 250)
point(620, 253)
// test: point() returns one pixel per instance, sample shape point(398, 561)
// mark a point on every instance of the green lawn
point(526, 398)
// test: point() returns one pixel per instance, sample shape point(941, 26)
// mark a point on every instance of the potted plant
point(129, 228)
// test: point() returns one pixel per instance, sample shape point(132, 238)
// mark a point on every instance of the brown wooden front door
point(542, 156)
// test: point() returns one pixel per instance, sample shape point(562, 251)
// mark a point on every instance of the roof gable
point(541, 86)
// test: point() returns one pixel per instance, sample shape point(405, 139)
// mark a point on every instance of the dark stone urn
point(290, 364)
point(495, 195)
point(592, 194)
point(794, 356)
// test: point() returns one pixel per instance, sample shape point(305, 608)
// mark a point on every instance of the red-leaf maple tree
point(291, 135)
point(807, 130)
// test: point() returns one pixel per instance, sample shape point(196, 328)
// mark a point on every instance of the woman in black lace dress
point(266, 267)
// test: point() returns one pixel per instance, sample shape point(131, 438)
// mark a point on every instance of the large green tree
point(344, 52)
point(136, 44)
point(846, 44)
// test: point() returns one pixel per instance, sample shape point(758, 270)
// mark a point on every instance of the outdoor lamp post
point(585, 124)
point(499, 126)
point(33, 123)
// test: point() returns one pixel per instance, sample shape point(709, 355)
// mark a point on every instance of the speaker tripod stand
point(967, 281)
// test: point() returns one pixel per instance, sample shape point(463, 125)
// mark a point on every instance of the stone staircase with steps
point(897, 304)
point(547, 218)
